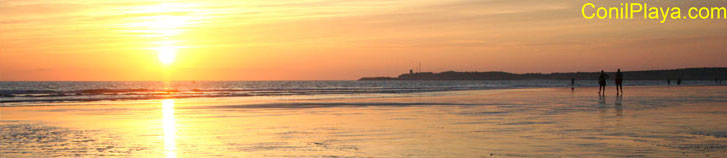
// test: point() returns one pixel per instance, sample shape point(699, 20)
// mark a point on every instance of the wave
point(10, 96)
point(305, 105)
point(13, 92)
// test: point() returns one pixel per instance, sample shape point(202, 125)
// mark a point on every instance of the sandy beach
point(542, 122)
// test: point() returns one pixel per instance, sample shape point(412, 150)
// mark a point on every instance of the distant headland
point(714, 73)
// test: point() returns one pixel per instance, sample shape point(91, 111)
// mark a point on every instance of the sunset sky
point(337, 40)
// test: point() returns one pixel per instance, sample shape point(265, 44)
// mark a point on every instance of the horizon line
point(334, 79)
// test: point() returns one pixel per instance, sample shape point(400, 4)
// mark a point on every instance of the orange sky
point(337, 40)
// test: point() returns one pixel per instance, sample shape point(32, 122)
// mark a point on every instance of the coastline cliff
point(718, 73)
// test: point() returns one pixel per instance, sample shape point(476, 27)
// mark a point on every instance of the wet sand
point(544, 122)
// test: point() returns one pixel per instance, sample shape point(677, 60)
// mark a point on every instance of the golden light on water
point(169, 127)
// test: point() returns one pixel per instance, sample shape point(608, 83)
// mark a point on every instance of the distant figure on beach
point(602, 82)
point(679, 81)
point(668, 82)
point(572, 83)
point(619, 81)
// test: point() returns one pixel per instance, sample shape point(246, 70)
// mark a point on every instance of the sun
point(166, 54)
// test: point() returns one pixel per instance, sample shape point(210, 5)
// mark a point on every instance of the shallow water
point(22, 93)
point(545, 122)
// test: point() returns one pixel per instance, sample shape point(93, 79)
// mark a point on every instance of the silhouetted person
point(668, 82)
point(602, 82)
point(572, 83)
point(619, 81)
point(679, 81)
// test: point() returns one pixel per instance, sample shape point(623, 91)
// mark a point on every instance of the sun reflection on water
point(170, 129)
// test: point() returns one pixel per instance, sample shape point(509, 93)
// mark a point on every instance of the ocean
point(20, 92)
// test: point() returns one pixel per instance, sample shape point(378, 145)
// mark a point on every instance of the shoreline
point(50, 102)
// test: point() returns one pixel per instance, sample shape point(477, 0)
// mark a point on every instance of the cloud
point(515, 34)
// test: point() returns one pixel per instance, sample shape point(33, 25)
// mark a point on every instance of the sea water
point(19, 92)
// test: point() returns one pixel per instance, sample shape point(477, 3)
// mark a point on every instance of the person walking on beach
point(679, 81)
point(602, 82)
point(619, 82)
point(572, 83)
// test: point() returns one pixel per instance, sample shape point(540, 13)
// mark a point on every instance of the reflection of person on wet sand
point(602, 82)
point(619, 82)
point(619, 100)
point(619, 105)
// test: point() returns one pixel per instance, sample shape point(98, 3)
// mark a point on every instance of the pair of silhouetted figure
point(602, 82)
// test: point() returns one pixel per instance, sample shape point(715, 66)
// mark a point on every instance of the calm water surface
point(14, 93)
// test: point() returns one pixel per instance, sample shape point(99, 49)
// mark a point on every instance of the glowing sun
point(166, 54)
